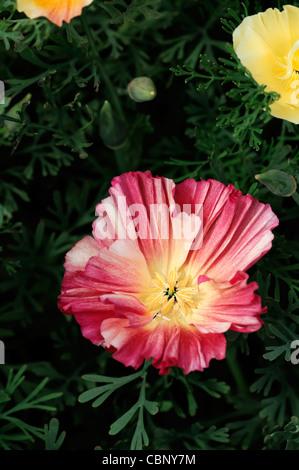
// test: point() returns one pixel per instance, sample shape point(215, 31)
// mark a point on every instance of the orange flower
point(56, 11)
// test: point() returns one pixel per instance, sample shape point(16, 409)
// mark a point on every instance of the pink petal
point(128, 306)
point(229, 305)
point(168, 345)
point(158, 226)
point(76, 260)
point(78, 256)
point(236, 228)
point(112, 271)
point(108, 271)
point(90, 316)
point(86, 280)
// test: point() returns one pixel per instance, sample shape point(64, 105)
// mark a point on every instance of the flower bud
point(278, 182)
point(142, 89)
point(113, 131)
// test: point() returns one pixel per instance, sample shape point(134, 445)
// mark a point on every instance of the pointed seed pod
point(278, 182)
point(113, 131)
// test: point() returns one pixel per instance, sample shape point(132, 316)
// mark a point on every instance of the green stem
point(233, 364)
point(102, 72)
point(111, 90)
point(3, 117)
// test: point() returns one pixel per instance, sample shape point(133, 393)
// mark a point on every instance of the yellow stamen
point(289, 68)
point(170, 297)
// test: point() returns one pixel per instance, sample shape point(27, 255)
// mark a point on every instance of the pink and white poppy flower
point(163, 276)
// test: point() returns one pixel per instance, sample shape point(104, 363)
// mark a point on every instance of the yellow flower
point(267, 44)
point(56, 11)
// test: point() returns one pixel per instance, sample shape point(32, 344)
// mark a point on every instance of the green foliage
point(247, 117)
point(206, 439)
point(140, 437)
point(14, 402)
point(210, 119)
point(121, 11)
point(211, 386)
point(285, 439)
point(52, 440)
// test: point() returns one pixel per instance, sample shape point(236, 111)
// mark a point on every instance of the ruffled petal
point(269, 32)
point(128, 306)
point(121, 268)
point(229, 305)
point(141, 208)
point(90, 314)
point(257, 55)
point(236, 229)
point(76, 261)
point(77, 258)
point(168, 345)
point(82, 300)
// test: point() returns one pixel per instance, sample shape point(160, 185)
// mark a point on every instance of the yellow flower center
point(289, 68)
point(171, 297)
